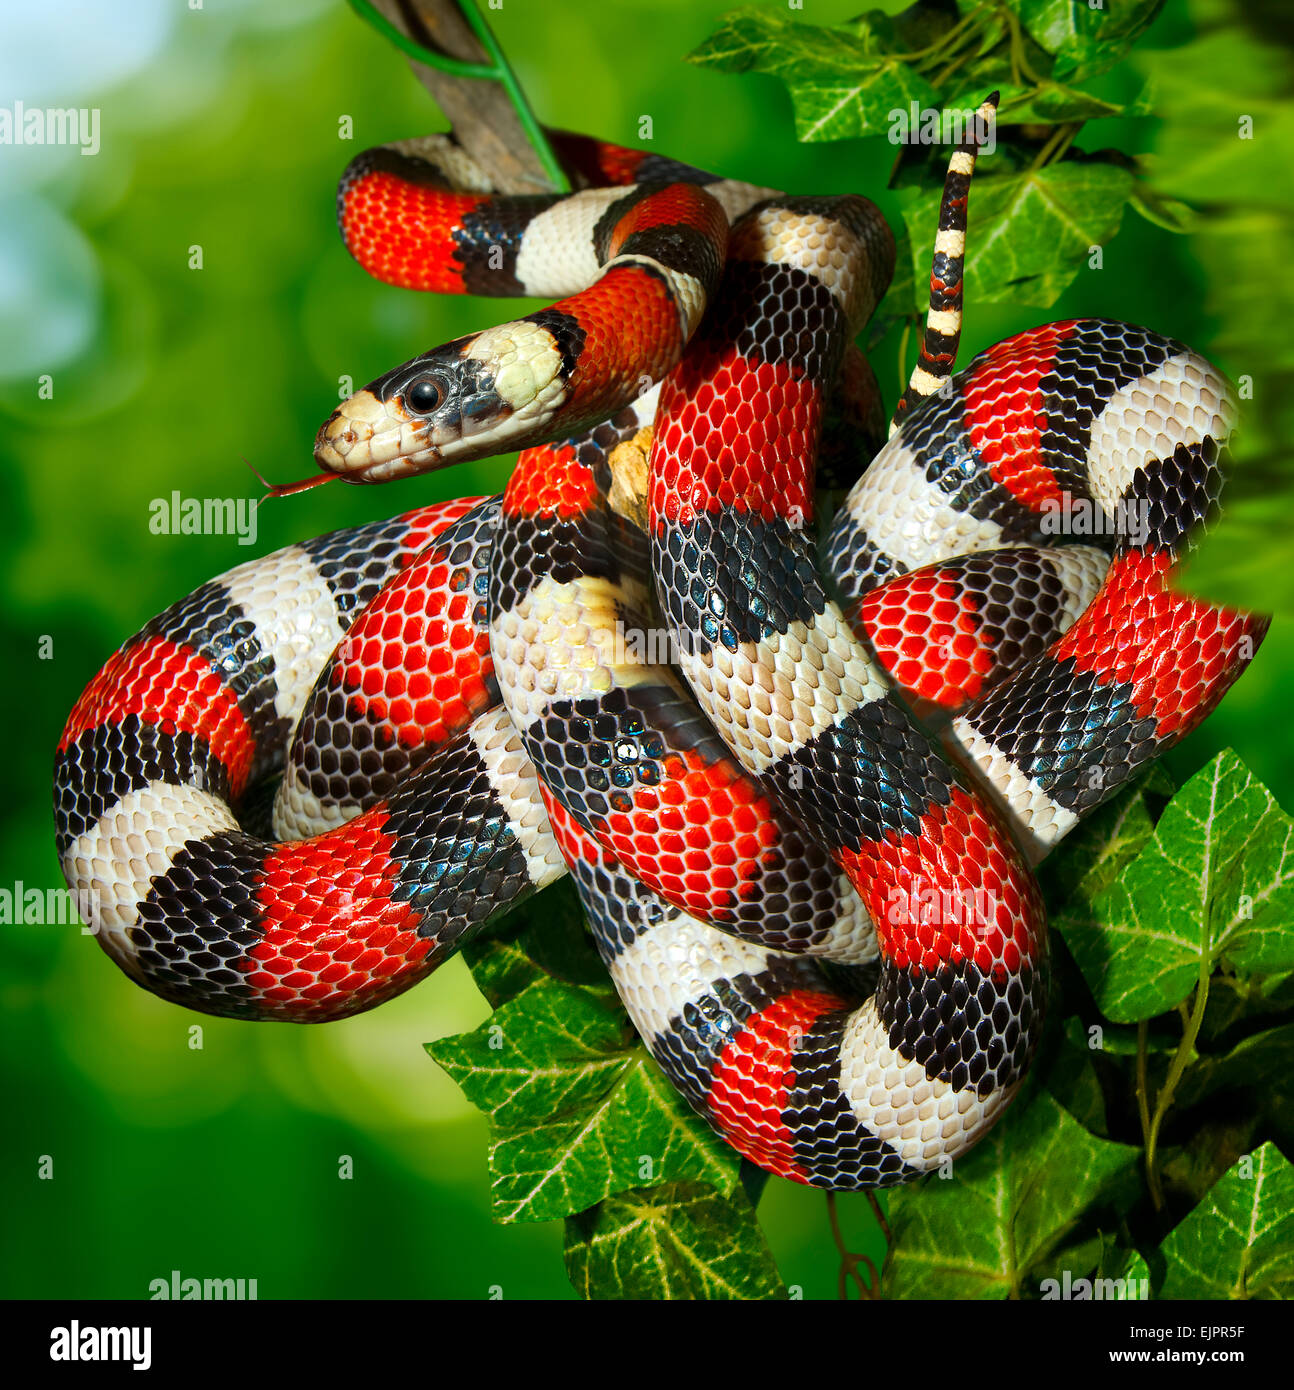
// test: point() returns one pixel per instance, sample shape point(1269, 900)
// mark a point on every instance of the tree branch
point(483, 118)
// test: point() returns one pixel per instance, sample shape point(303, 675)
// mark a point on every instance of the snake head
point(484, 394)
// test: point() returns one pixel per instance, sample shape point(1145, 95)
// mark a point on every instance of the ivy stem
point(1143, 1093)
point(498, 69)
point(1071, 132)
point(849, 1261)
point(1019, 63)
point(957, 62)
point(878, 1213)
point(952, 37)
point(1181, 1059)
point(1057, 143)
point(903, 352)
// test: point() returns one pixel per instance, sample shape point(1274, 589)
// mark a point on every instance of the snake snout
point(368, 440)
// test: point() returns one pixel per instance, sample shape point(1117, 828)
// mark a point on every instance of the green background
point(223, 131)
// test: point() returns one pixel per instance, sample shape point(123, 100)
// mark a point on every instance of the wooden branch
point(483, 118)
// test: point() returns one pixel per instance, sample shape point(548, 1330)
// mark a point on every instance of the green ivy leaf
point(1239, 1241)
point(1115, 1042)
point(1033, 231)
point(1127, 1266)
point(847, 82)
point(1235, 1000)
point(830, 105)
point(1107, 841)
point(1072, 1079)
point(576, 1103)
point(1188, 1170)
point(1214, 884)
point(1086, 41)
point(1078, 1260)
point(578, 1108)
point(545, 939)
point(1011, 1206)
point(842, 82)
point(1169, 213)
point(1052, 103)
point(678, 1240)
point(746, 40)
point(1262, 1061)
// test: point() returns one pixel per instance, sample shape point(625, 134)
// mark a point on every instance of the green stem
point(1071, 132)
point(497, 70)
point(925, 58)
point(877, 1213)
point(959, 61)
point(1019, 63)
point(529, 121)
point(1057, 143)
point(1181, 1059)
point(849, 1261)
point(904, 369)
point(1143, 1094)
point(442, 62)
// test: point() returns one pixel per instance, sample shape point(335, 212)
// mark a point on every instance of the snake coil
point(462, 703)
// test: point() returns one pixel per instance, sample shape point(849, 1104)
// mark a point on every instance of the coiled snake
point(477, 707)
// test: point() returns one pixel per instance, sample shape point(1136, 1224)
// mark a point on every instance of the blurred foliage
point(224, 1160)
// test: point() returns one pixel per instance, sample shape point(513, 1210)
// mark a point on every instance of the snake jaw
point(368, 440)
point(471, 398)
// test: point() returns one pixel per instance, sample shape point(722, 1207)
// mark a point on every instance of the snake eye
point(425, 395)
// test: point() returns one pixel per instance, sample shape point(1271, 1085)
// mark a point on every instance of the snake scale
point(460, 705)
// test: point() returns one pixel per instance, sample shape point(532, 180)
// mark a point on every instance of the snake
point(800, 768)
